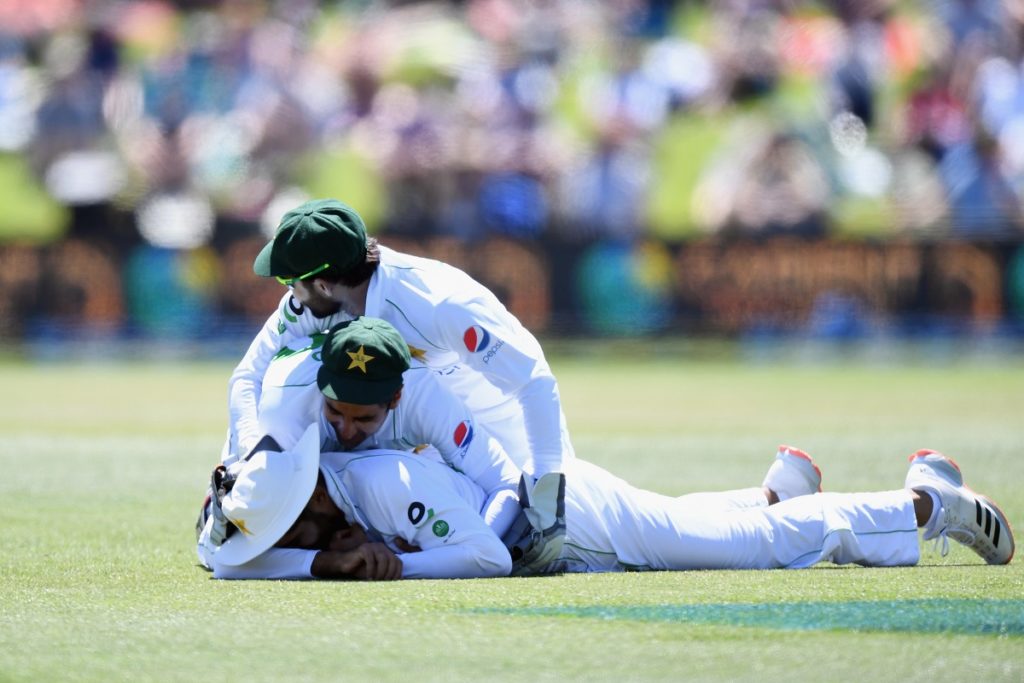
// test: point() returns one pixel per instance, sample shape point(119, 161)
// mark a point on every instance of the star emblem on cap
point(418, 354)
point(359, 359)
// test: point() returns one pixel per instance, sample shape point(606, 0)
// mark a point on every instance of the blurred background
point(752, 170)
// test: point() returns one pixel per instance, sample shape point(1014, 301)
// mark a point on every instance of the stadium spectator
point(189, 125)
point(234, 97)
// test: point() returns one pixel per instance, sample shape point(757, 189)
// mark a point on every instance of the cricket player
point(358, 386)
point(455, 326)
point(362, 389)
point(394, 515)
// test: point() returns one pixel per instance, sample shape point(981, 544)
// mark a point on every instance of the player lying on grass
point(390, 514)
point(360, 385)
point(459, 328)
point(372, 398)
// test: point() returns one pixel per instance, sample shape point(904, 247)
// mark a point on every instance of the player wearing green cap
point(360, 385)
point(455, 325)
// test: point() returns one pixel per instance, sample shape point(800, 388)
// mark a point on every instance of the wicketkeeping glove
point(543, 505)
point(221, 482)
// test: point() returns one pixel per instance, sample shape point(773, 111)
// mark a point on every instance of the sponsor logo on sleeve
point(492, 351)
point(476, 338)
point(463, 434)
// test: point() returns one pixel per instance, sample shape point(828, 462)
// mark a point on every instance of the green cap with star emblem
point(363, 362)
point(310, 238)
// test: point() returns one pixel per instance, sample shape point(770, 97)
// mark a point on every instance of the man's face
point(309, 294)
point(354, 423)
point(322, 527)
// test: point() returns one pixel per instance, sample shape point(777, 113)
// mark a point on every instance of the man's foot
point(792, 474)
point(966, 516)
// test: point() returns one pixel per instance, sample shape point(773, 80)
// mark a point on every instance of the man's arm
point(432, 414)
point(507, 355)
point(276, 563)
point(371, 561)
point(422, 504)
point(492, 342)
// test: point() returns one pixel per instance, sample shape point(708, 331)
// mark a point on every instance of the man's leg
point(878, 529)
point(792, 473)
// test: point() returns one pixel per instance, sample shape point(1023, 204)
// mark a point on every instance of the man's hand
point(221, 482)
point(544, 506)
point(370, 561)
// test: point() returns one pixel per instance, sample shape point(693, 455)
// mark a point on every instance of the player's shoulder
point(425, 276)
point(365, 464)
point(424, 391)
point(296, 362)
point(419, 377)
point(383, 474)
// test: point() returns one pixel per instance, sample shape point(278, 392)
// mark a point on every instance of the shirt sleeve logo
point(463, 434)
point(476, 338)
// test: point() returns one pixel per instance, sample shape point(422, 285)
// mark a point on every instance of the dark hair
point(305, 514)
point(358, 274)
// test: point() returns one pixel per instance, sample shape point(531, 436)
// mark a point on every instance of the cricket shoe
point(965, 516)
point(792, 474)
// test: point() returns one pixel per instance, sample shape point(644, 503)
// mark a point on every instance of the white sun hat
point(271, 491)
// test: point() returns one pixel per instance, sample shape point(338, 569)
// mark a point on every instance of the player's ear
point(395, 399)
point(321, 286)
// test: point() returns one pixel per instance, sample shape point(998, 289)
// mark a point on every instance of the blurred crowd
point(566, 118)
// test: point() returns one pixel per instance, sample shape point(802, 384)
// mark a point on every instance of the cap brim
point(348, 389)
point(241, 548)
point(261, 266)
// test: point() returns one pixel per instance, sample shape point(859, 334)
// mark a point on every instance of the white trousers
point(612, 526)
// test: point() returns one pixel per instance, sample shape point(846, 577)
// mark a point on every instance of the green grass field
point(102, 468)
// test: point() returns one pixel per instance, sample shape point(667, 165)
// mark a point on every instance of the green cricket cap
point(321, 231)
point(362, 362)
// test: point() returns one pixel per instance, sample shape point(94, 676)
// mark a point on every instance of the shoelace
point(964, 536)
point(942, 539)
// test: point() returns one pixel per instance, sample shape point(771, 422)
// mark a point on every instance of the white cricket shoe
point(966, 516)
point(792, 474)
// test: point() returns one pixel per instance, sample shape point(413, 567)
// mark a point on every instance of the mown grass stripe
point(989, 617)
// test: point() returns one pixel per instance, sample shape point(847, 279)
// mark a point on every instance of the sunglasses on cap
point(289, 281)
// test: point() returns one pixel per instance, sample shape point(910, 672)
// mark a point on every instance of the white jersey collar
point(332, 465)
point(375, 290)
